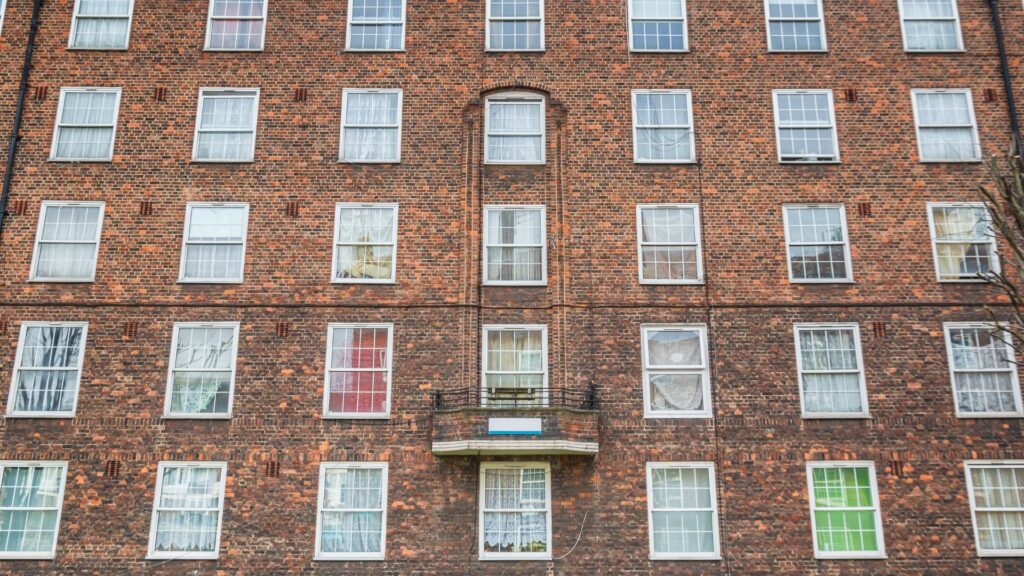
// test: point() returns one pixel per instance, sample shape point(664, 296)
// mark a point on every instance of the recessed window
point(515, 129)
point(372, 127)
point(47, 369)
point(676, 379)
point(226, 125)
point(831, 371)
point(946, 129)
point(996, 491)
point(364, 243)
point(845, 518)
point(514, 245)
point(668, 237)
point(657, 26)
point(67, 242)
point(795, 25)
point(33, 495)
point(816, 243)
point(515, 511)
point(515, 25)
point(201, 378)
point(352, 511)
point(358, 379)
point(187, 511)
point(963, 242)
point(214, 243)
point(86, 124)
point(236, 24)
point(515, 366)
point(376, 25)
point(805, 126)
point(682, 511)
point(101, 24)
point(930, 25)
point(983, 370)
point(662, 126)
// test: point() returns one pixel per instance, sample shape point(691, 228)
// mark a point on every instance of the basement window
point(515, 511)
point(352, 511)
point(187, 511)
point(101, 24)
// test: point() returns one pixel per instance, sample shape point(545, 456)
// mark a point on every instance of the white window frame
point(487, 29)
point(334, 250)
point(324, 467)
point(974, 125)
point(254, 93)
point(491, 556)
point(1013, 369)
point(153, 554)
point(833, 125)
point(12, 395)
point(649, 370)
point(209, 30)
point(185, 242)
point(46, 204)
point(168, 414)
point(969, 466)
point(344, 109)
point(517, 95)
point(60, 111)
point(386, 414)
point(768, 29)
point(880, 529)
point(543, 328)
point(61, 464)
point(348, 33)
point(710, 467)
point(688, 126)
point(3, 10)
point(640, 244)
point(931, 206)
point(543, 245)
point(686, 30)
point(790, 243)
point(74, 26)
point(855, 328)
point(956, 19)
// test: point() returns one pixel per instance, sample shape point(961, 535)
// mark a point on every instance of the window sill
point(223, 161)
point(392, 161)
point(540, 284)
point(961, 281)
point(342, 416)
point(663, 162)
point(81, 160)
point(514, 51)
point(28, 556)
point(494, 163)
point(699, 282)
point(952, 161)
point(821, 282)
point(182, 556)
point(1000, 553)
point(62, 280)
point(682, 557)
point(205, 49)
point(513, 558)
point(820, 556)
point(40, 415)
point(682, 51)
point(836, 416)
point(77, 49)
point(676, 416)
point(808, 162)
point(204, 281)
point(197, 416)
point(776, 51)
point(330, 558)
point(371, 282)
point(941, 51)
point(988, 415)
point(371, 50)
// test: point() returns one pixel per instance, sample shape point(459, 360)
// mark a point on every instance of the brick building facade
point(601, 429)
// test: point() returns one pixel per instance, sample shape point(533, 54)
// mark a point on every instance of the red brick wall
point(592, 305)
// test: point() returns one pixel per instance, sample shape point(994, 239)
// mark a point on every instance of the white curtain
point(49, 369)
point(999, 488)
point(667, 349)
point(232, 119)
point(365, 246)
point(35, 487)
point(521, 494)
point(925, 34)
point(514, 131)
point(102, 24)
point(517, 356)
point(67, 245)
point(514, 239)
point(214, 242)
point(86, 128)
point(202, 370)
point(352, 513)
point(196, 493)
point(371, 127)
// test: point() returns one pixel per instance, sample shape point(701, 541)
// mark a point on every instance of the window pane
point(227, 112)
point(89, 108)
point(358, 370)
point(515, 35)
point(236, 25)
point(999, 488)
point(376, 10)
point(793, 9)
point(659, 35)
point(24, 527)
point(205, 348)
point(101, 33)
point(364, 348)
point(815, 224)
point(521, 495)
point(515, 8)
point(928, 8)
point(679, 348)
point(376, 37)
point(683, 392)
point(216, 224)
point(514, 251)
point(978, 348)
point(103, 7)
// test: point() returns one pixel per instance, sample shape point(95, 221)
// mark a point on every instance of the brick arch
point(555, 106)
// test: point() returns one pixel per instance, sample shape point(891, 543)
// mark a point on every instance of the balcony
point(515, 421)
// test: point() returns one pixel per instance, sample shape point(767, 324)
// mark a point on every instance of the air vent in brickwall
point(3, 327)
point(145, 208)
point(300, 95)
point(864, 209)
point(990, 95)
point(131, 330)
point(291, 208)
point(281, 329)
point(113, 469)
point(896, 467)
point(160, 93)
point(879, 329)
point(850, 94)
point(39, 93)
point(17, 208)
point(272, 469)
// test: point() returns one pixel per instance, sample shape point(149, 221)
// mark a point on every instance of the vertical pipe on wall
point(1004, 63)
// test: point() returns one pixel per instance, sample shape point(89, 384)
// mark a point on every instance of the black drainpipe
point(12, 149)
point(993, 6)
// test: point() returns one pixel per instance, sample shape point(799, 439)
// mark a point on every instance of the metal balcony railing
point(516, 398)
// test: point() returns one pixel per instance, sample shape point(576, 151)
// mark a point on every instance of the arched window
point(514, 128)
